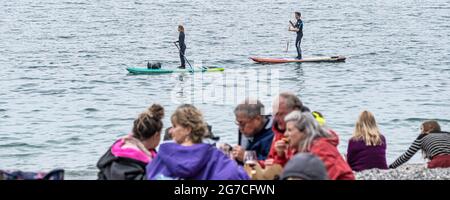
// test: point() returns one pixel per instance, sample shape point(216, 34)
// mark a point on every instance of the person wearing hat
point(304, 166)
point(319, 117)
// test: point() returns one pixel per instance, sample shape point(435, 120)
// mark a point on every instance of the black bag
point(56, 174)
point(156, 65)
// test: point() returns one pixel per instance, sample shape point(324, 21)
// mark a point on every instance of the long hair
point(148, 123)
point(366, 129)
point(306, 123)
point(181, 27)
point(431, 126)
point(189, 116)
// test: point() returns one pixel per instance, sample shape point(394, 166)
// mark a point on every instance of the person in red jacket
point(284, 104)
point(304, 134)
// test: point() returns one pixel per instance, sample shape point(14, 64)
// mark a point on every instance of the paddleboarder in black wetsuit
point(182, 47)
point(297, 27)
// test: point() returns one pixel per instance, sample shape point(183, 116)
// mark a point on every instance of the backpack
point(156, 65)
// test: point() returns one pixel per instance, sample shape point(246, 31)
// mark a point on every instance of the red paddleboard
point(312, 59)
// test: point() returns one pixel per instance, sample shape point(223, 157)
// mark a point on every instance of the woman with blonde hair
point(367, 147)
point(187, 157)
point(434, 143)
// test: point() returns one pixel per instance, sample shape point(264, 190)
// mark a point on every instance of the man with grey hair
point(283, 104)
point(255, 129)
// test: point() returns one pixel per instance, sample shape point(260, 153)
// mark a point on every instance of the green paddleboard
point(141, 70)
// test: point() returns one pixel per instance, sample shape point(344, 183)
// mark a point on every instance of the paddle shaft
point(292, 23)
point(183, 56)
point(287, 45)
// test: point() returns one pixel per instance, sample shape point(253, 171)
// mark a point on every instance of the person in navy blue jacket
point(255, 129)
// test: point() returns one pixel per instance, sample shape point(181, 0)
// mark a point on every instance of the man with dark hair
point(255, 129)
point(298, 28)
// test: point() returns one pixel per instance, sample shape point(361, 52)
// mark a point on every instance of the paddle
point(292, 23)
point(287, 45)
point(192, 69)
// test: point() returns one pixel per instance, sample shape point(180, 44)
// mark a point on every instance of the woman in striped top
point(435, 145)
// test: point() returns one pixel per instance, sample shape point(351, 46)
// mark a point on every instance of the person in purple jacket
point(187, 158)
point(367, 147)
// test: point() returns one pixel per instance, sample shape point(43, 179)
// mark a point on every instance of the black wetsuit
point(298, 41)
point(182, 49)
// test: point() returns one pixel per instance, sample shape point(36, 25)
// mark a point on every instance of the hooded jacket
point(196, 162)
point(326, 150)
point(261, 142)
point(278, 135)
point(120, 163)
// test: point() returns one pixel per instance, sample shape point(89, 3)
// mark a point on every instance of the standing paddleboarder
point(182, 47)
point(297, 27)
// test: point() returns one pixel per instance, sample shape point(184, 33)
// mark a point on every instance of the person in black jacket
point(182, 47)
point(128, 156)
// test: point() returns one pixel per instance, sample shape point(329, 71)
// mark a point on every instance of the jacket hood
point(185, 161)
point(120, 168)
point(136, 154)
point(334, 139)
point(106, 160)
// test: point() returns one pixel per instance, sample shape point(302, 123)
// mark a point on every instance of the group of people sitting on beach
point(291, 143)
